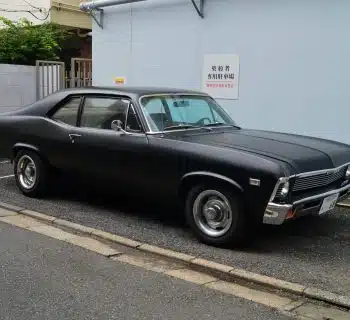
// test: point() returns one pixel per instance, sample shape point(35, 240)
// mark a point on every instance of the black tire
point(40, 186)
point(235, 235)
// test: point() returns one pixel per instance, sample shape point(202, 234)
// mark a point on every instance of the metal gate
point(80, 73)
point(52, 75)
point(49, 77)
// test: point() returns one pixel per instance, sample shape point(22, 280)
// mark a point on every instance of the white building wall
point(18, 5)
point(294, 56)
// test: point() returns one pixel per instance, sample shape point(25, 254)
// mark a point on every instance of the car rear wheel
point(30, 173)
point(215, 214)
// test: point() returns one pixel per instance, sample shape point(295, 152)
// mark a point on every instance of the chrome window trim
point(188, 129)
point(123, 132)
point(150, 131)
point(132, 107)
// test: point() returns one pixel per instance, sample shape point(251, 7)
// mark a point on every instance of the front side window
point(166, 112)
point(156, 114)
point(101, 112)
point(68, 113)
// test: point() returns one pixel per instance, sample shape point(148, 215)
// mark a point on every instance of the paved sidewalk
point(43, 278)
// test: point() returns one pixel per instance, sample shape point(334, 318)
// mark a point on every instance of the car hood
point(301, 153)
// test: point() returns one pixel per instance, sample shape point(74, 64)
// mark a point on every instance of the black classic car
point(181, 147)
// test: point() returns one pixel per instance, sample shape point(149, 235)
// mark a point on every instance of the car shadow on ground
point(302, 234)
point(298, 234)
point(101, 197)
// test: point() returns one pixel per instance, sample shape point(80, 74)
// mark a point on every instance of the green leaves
point(23, 42)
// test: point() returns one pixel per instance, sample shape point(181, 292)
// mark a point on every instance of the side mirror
point(116, 125)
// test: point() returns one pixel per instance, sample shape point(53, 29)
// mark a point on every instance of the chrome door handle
point(72, 136)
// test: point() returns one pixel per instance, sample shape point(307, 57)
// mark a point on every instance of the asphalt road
point(312, 251)
point(43, 278)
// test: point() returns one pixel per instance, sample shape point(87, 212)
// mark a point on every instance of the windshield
point(171, 112)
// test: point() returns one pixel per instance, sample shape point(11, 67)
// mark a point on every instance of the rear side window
point(68, 113)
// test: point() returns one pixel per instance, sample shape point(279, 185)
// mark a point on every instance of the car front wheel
point(30, 173)
point(215, 214)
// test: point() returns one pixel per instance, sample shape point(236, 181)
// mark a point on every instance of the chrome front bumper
point(278, 213)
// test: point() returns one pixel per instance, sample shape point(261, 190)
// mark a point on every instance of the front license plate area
point(329, 203)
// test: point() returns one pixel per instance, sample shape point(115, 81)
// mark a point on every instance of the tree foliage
point(23, 42)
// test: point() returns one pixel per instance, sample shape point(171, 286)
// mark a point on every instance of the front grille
point(318, 180)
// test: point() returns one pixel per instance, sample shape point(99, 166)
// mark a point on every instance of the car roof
point(42, 106)
point(138, 91)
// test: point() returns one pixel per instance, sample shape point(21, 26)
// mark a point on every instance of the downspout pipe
point(98, 4)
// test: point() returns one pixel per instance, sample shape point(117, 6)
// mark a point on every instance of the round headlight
point(347, 174)
point(285, 189)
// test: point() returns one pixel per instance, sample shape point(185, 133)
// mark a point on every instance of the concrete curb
point(37, 215)
point(269, 281)
point(71, 225)
point(166, 253)
point(115, 238)
point(209, 266)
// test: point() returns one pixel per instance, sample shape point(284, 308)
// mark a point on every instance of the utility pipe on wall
point(97, 4)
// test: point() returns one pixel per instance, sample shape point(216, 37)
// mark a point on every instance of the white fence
point(22, 85)
point(49, 77)
point(17, 86)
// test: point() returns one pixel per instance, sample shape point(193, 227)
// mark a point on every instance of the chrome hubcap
point(26, 172)
point(212, 213)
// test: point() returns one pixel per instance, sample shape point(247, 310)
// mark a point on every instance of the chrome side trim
point(212, 175)
point(25, 146)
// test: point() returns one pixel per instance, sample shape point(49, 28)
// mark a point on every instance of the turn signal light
point(290, 214)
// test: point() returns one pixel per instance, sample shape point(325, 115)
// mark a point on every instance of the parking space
point(313, 251)
point(6, 169)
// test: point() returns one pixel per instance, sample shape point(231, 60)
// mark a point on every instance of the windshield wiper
point(184, 126)
point(217, 124)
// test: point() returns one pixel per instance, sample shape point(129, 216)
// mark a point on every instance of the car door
point(105, 153)
point(55, 141)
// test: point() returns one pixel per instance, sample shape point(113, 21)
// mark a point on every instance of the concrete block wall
point(17, 86)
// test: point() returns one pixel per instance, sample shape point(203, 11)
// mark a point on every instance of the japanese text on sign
point(221, 72)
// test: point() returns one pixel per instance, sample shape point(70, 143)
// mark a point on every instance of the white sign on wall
point(220, 75)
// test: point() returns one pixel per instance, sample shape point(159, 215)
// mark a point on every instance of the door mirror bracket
point(117, 125)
